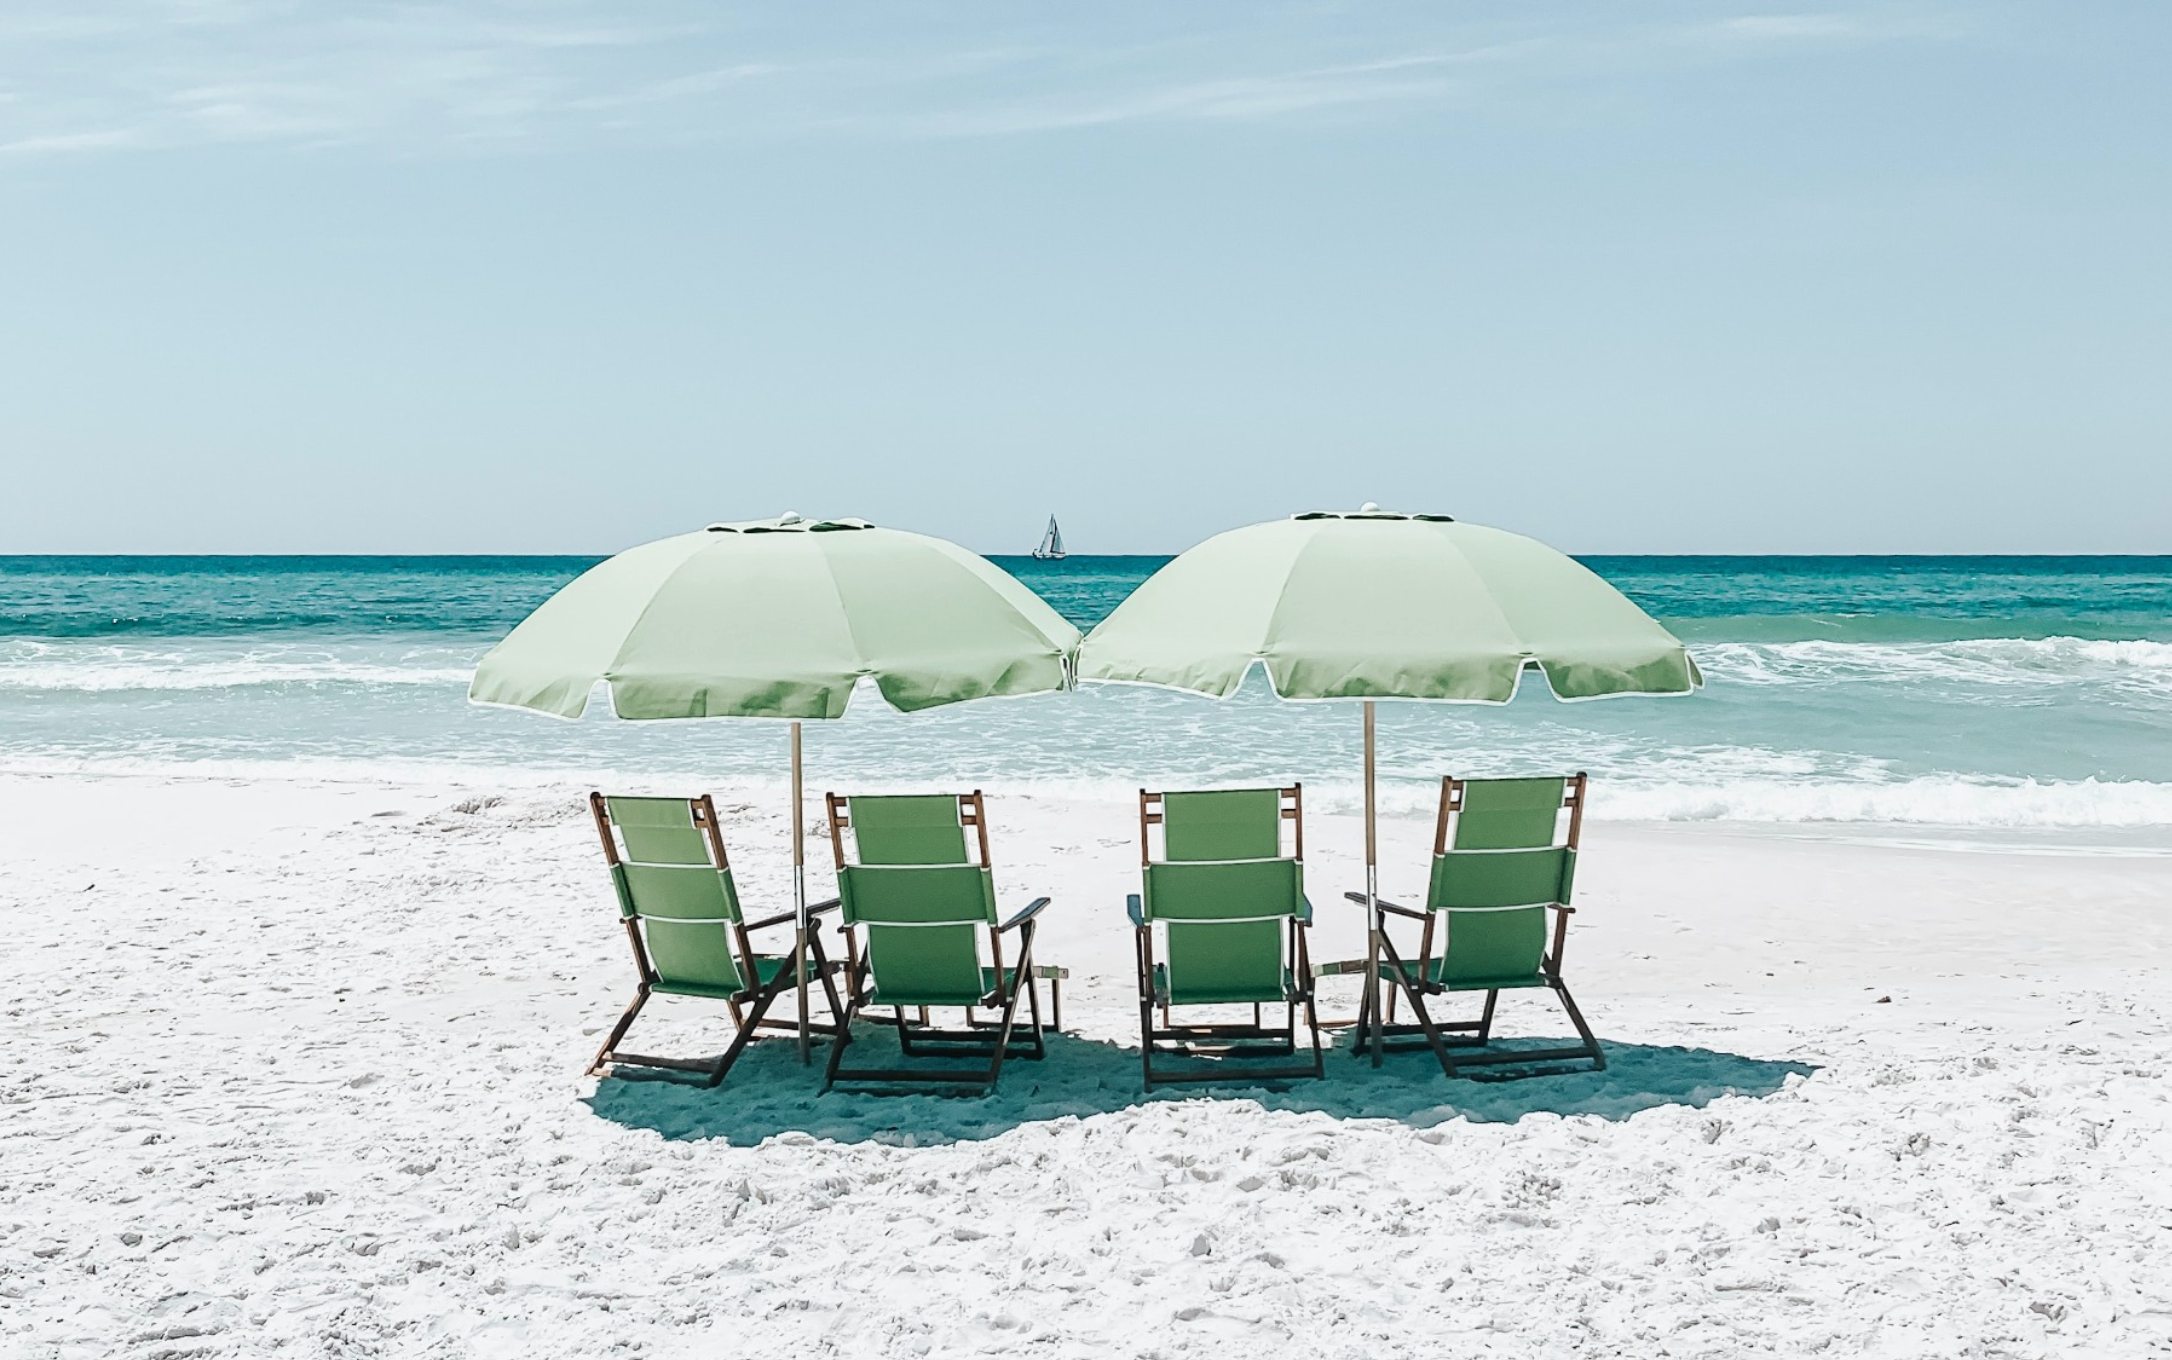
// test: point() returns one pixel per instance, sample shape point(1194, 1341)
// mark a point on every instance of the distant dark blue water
point(1981, 691)
point(1774, 597)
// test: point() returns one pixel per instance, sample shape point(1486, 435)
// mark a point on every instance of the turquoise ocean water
point(2029, 695)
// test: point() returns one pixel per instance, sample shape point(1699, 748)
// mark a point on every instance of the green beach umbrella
point(1373, 605)
point(781, 619)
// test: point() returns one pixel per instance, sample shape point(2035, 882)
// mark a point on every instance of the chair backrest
point(921, 888)
point(1499, 861)
point(675, 885)
point(1223, 887)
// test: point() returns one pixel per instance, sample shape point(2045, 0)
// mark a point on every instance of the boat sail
point(1051, 549)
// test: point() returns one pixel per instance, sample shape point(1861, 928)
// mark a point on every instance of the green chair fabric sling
point(680, 908)
point(1229, 904)
point(918, 890)
point(1500, 867)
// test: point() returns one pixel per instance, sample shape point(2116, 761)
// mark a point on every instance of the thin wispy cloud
point(79, 79)
point(1822, 29)
point(1397, 81)
point(1785, 27)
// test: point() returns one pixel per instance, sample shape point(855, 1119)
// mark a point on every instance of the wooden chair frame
point(749, 1008)
point(1224, 1041)
point(992, 1038)
point(1461, 1044)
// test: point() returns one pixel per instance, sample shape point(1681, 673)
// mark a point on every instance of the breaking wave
point(2003, 662)
point(98, 669)
point(2028, 662)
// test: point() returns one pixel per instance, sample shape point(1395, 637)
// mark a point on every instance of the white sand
point(294, 1069)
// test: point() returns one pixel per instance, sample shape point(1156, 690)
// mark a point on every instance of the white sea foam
point(1934, 801)
point(91, 667)
point(97, 669)
point(1941, 800)
point(198, 677)
point(2131, 663)
point(1818, 743)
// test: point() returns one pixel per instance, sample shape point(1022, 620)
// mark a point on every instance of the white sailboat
point(1051, 549)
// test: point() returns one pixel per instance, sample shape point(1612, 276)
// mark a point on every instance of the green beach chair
point(680, 908)
point(1229, 906)
point(1500, 865)
point(918, 889)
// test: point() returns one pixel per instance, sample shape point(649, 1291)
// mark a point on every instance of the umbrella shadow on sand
point(769, 1093)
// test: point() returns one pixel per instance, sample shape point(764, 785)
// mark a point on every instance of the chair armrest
point(1561, 937)
point(1137, 908)
point(1338, 966)
point(1032, 910)
point(813, 910)
point(1385, 905)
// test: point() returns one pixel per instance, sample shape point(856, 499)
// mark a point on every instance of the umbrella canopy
point(1375, 605)
point(1381, 606)
point(780, 619)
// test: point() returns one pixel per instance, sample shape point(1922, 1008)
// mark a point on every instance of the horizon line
point(1027, 555)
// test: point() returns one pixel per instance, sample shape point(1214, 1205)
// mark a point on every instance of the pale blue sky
point(562, 277)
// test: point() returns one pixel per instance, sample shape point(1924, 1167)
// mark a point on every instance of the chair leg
point(749, 1024)
point(1485, 1019)
point(1583, 1031)
point(1003, 1042)
point(837, 1049)
point(1146, 1012)
point(1402, 982)
point(1033, 1005)
point(1360, 1032)
point(618, 1031)
point(1433, 1037)
point(854, 986)
point(1146, 1043)
point(822, 971)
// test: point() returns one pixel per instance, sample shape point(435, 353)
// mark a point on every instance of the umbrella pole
point(799, 890)
point(1373, 998)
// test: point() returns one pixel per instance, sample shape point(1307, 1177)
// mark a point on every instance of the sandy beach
point(298, 1071)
